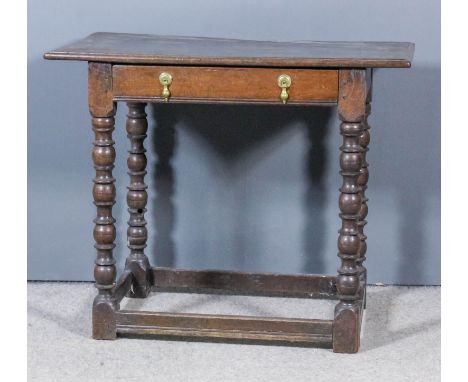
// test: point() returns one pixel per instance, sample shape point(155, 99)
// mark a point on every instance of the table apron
point(224, 85)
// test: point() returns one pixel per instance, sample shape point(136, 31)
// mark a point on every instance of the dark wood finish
point(203, 51)
point(363, 178)
point(269, 284)
point(317, 332)
point(225, 84)
point(351, 109)
point(123, 285)
point(102, 110)
point(100, 94)
point(125, 67)
point(137, 197)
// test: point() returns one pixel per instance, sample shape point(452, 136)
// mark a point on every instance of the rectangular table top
point(203, 51)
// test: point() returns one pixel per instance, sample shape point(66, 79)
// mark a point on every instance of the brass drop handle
point(165, 79)
point(284, 82)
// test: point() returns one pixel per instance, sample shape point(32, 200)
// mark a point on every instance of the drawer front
point(212, 84)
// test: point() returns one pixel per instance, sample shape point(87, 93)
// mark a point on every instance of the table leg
point(351, 109)
point(364, 140)
point(104, 230)
point(102, 109)
point(137, 198)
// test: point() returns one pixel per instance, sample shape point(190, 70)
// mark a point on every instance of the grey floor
point(401, 340)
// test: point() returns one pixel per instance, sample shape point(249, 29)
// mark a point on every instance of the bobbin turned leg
point(102, 109)
point(351, 109)
point(363, 178)
point(137, 198)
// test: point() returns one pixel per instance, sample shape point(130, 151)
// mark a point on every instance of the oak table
point(141, 68)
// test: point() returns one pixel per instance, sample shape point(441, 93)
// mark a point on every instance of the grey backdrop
point(249, 187)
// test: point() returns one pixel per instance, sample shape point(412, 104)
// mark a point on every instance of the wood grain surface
point(178, 50)
point(218, 84)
